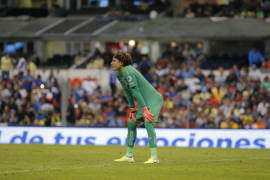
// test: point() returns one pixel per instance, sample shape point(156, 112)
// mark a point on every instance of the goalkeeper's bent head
point(123, 57)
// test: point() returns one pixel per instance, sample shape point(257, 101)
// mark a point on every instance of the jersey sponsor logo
point(129, 79)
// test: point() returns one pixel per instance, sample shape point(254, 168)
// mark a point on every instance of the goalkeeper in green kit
point(150, 102)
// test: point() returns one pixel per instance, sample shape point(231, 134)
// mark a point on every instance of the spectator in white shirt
point(254, 74)
point(21, 66)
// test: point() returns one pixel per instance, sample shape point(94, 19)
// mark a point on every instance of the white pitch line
point(46, 169)
point(109, 164)
point(222, 160)
point(53, 169)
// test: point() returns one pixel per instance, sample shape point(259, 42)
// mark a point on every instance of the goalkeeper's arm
point(129, 98)
point(148, 116)
point(136, 93)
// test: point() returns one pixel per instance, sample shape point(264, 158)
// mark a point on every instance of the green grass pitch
point(50, 162)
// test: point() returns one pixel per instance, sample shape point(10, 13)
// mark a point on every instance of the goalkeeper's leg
point(152, 142)
point(132, 133)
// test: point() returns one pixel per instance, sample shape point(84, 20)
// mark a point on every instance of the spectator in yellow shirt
point(6, 66)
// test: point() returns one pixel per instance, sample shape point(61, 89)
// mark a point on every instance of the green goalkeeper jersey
point(137, 87)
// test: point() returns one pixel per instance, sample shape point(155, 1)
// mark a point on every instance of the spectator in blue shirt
point(112, 82)
point(80, 93)
point(255, 57)
point(27, 81)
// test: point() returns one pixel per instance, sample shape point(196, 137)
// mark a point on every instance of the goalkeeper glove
point(147, 115)
point(131, 111)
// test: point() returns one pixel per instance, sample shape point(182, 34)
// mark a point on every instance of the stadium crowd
point(194, 98)
point(27, 97)
point(237, 97)
point(232, 9)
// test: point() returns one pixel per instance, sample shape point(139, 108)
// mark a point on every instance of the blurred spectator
point(254, 73)
point(107, 56)
point(255, 57)
point(221, 76)
point(144, 66)
point(70, 115)
point(44, 75)
point(21, 65)
point(47, 110)
point(189, 13)
point(112, 82)
point(265, 84)
point(80, 93)
point(6, 66)
point(31, 67)
point(27, 81)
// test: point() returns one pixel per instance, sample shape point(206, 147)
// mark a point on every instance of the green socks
point(132, 133)
point(153, 152)
point(129, 152)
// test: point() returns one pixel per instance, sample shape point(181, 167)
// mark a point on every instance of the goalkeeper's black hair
point(123, 57)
